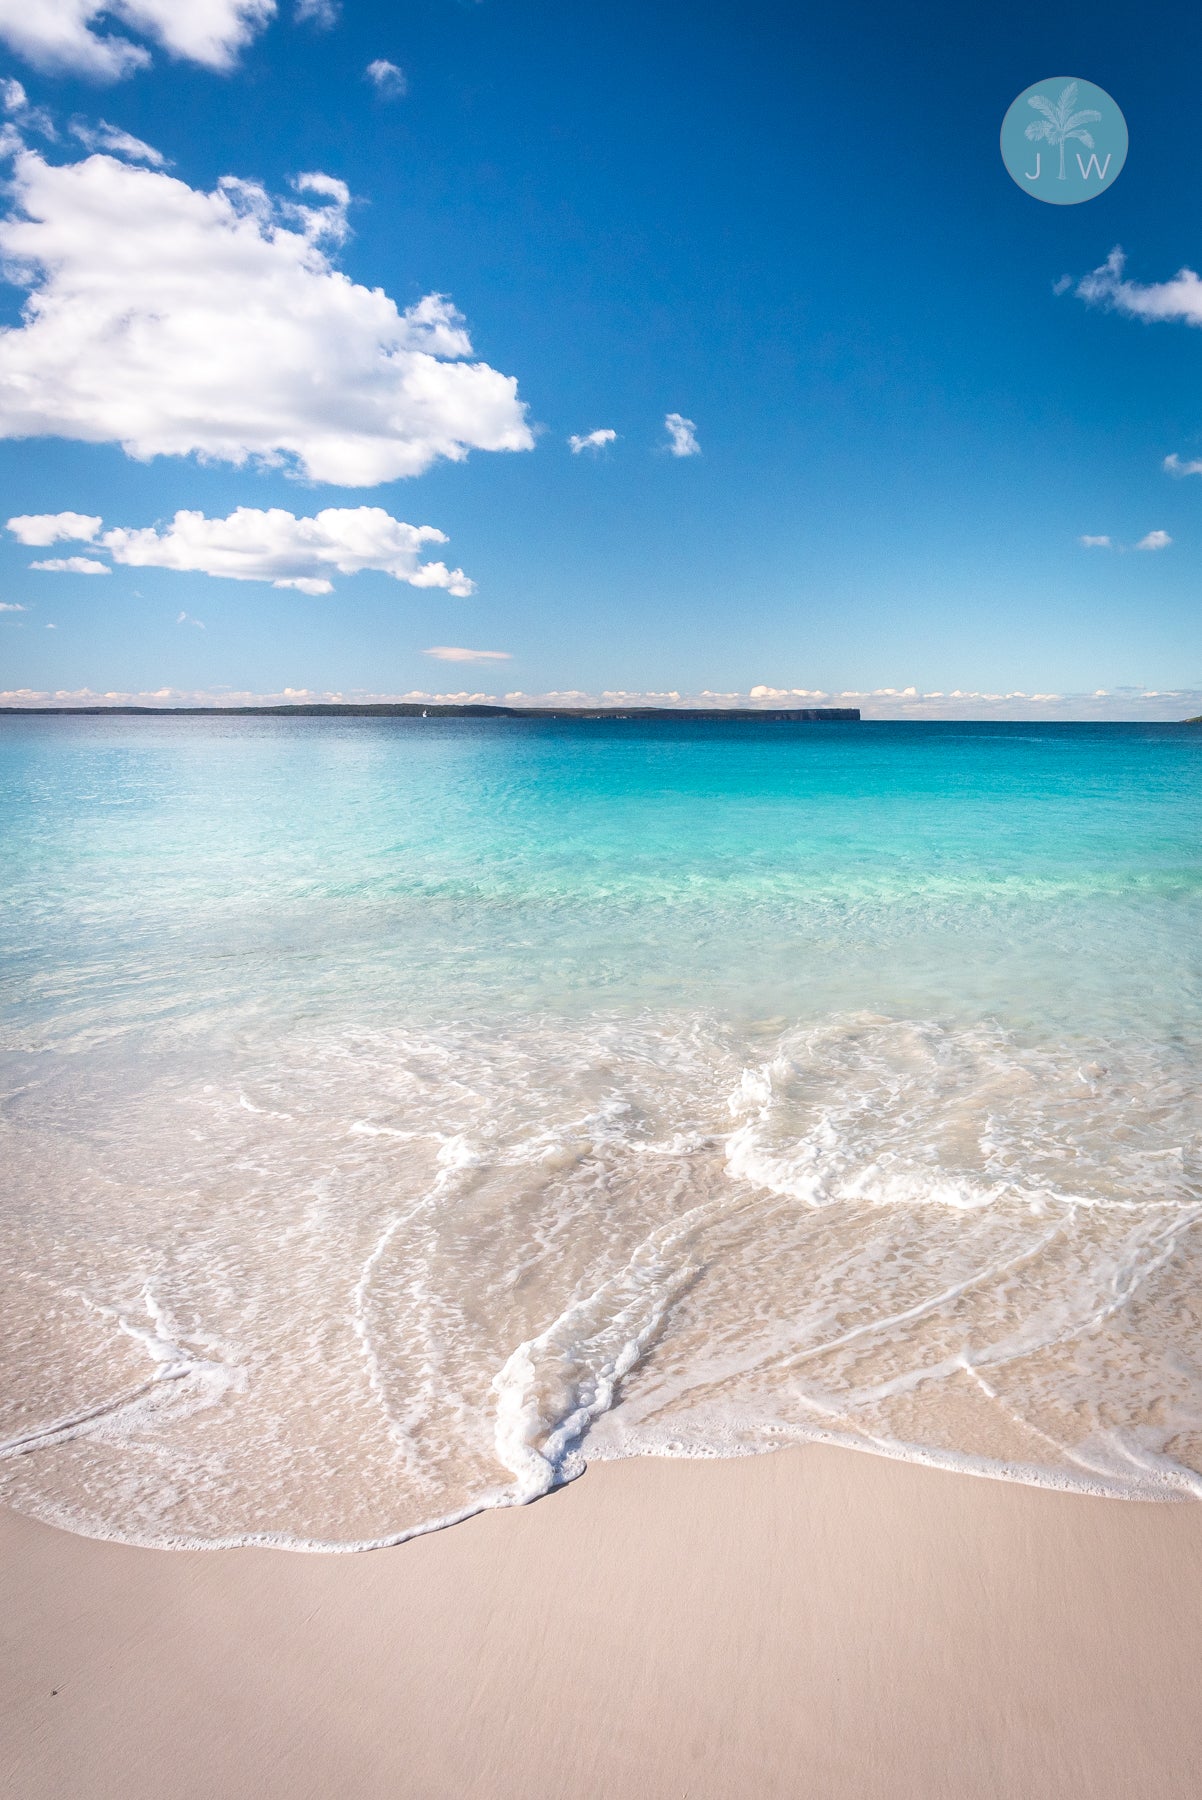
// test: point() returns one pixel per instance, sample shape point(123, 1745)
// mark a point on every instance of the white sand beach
point(816, 1622)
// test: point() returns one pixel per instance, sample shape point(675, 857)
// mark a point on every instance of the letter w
point(1093, 163)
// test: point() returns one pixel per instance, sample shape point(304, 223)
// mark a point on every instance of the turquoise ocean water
point(398, 1114)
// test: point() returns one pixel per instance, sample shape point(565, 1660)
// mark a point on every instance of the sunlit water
point(398, 1114)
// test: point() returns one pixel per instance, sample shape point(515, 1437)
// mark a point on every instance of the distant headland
point(416, 709)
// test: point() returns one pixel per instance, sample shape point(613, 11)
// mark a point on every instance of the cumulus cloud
point(457, 654)
point(61, 36)
point(72, 565)
point(255, 545)
point(12, 606)
point(53, 528)
point(1095, 543)
point(592, 440)
point(1155, 540)
point(57, 37)
point(389, 82)
point(775, 693)
point(1174, 466)
point(683, 435)
point(1180, 298)
point(173, 321)
point(103, 136)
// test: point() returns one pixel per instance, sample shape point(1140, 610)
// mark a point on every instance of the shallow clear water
point(397, 1114)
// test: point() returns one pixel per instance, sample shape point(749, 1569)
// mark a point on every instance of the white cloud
point(328, 186)
point(389, 81)
point(321, 13)
point(593, 440)
point(15, 103)
point(72, 565)
point(273, 545)
point(1180, 298)
point(172, 321)
point(185, 618)
point(456, 654)
point(54, 528)
point(103, 136)
point(58, 36)
point(1155, 540)
point(774, 693)
point(683, 433)
point(12, 606)
point(876, 703)
point(1174, 466)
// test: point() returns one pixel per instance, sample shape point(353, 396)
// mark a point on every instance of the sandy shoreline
point(813, 1622)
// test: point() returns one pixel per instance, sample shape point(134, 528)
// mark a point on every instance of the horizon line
point(495, 710)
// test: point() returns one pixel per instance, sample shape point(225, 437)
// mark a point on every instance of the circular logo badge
point(1064, 140)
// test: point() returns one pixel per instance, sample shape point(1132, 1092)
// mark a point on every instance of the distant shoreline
point(416, 709)
point(409, 709)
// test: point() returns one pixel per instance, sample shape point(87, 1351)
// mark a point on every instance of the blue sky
point(794, 231)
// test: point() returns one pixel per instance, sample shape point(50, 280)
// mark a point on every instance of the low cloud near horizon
point(882, 704)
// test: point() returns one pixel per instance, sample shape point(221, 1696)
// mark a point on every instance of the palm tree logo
point(1060, 123)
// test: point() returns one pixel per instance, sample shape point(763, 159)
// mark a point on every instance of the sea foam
point(386, 1144)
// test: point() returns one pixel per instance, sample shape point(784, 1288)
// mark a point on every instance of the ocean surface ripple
point(398, 1114)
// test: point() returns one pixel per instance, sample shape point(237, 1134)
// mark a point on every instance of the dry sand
point(810, 1623)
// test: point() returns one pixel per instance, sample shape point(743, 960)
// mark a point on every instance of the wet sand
point(811, 1623)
